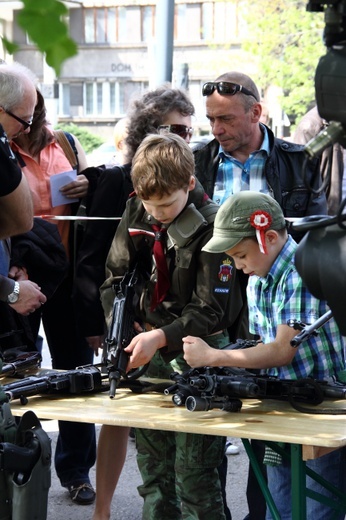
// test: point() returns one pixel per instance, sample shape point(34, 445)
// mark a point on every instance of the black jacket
point(108, 200)
point(283, 171)
point(204, 296)
point(42, 253)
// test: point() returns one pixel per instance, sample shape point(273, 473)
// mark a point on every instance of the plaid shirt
point(234, 176)
point(282, 296)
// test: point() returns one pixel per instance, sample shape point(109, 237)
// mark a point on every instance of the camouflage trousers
point(179, 470)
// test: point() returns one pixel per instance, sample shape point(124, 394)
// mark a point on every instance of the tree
point(287, 42)
point(43, 22)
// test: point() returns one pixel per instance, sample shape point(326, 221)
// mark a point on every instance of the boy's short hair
point(242, 216)
point(161, 165)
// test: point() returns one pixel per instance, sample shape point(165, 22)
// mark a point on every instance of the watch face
point(13, 297)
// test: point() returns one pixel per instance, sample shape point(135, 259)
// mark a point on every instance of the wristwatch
point(14, 295)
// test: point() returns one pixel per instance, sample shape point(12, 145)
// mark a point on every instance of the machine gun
point(16, 364)
point(82, 379)
point(121, 333)
point(202, 389)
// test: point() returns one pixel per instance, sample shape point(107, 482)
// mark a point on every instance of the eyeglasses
point(224, 87)
point(181, 130)
point(26, 124)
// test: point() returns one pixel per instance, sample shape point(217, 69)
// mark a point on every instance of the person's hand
point(197, 352)
point(18, 273)
point(76, 189)
point(143, 347)
point(30, 298)
point(96, 343)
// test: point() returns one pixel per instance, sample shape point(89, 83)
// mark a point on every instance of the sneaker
point(83, 494)
point(231, 449)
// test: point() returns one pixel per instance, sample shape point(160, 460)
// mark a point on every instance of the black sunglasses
point(26, 124)
point(181, 130)
point(224, 87)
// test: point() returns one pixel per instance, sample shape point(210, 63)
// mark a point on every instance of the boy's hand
point(143, 347)
point(197, 352)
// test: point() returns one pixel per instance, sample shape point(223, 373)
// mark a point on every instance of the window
point(118, 24)
point(110, 98)
point(64, 99)
point(207, 21)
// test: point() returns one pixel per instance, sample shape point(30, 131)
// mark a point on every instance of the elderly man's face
point(23, 111)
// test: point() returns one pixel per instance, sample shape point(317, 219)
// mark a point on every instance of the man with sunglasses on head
point(245, 155)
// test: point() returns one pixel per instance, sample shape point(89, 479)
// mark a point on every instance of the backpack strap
point(66, 141)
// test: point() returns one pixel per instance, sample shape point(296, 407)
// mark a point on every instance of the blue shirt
point(282, 296)
point(234, 176)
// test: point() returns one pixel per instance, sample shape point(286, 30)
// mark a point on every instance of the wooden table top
point(270, 420)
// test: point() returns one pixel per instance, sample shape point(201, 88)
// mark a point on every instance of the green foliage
point(10, 47)
point(287, 43)
point(88, 140)
point(42, 20)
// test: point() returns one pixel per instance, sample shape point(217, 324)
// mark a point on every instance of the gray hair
point(12, 86)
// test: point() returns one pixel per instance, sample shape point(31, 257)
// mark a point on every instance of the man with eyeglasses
point(17, 101)
point(245, 155)
point(17, 96)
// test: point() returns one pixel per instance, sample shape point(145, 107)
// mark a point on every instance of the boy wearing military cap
point(250, 228)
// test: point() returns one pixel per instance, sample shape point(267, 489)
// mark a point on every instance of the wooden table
point(272, 421)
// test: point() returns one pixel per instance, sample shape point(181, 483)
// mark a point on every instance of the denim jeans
point(332, 467)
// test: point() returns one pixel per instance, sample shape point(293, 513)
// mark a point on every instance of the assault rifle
point(16, 364)
point(202, 389)
point(82, 379)
point(121, 333)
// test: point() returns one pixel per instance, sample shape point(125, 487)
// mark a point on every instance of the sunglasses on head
point(225, 87)
point(181, 130)
point(25, 124)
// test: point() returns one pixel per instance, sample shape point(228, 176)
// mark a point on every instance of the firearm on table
point(82, 379)
point(121, 332)
point(19, 363)
point(202, 389)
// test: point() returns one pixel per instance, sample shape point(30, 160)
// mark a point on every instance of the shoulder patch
point(225, 271)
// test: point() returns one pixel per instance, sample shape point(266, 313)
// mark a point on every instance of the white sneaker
point(231, 449)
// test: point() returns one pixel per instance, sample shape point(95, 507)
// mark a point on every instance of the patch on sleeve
point(225, 271)
point(221, 290)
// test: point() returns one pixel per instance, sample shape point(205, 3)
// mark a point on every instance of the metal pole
point(164, 42)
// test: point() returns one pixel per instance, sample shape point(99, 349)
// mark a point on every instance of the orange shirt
point(52, 161)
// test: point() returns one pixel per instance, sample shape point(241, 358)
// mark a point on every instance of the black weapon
point(307, 330)
point(18, 363)
point(202, 389)
point(82, 379)
point(121, 332)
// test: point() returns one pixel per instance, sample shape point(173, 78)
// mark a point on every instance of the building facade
point(117, 56)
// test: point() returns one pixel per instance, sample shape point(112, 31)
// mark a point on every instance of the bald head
point(240, 79)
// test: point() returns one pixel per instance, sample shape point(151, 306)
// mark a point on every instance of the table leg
point(261, 481)
point(298, 483)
